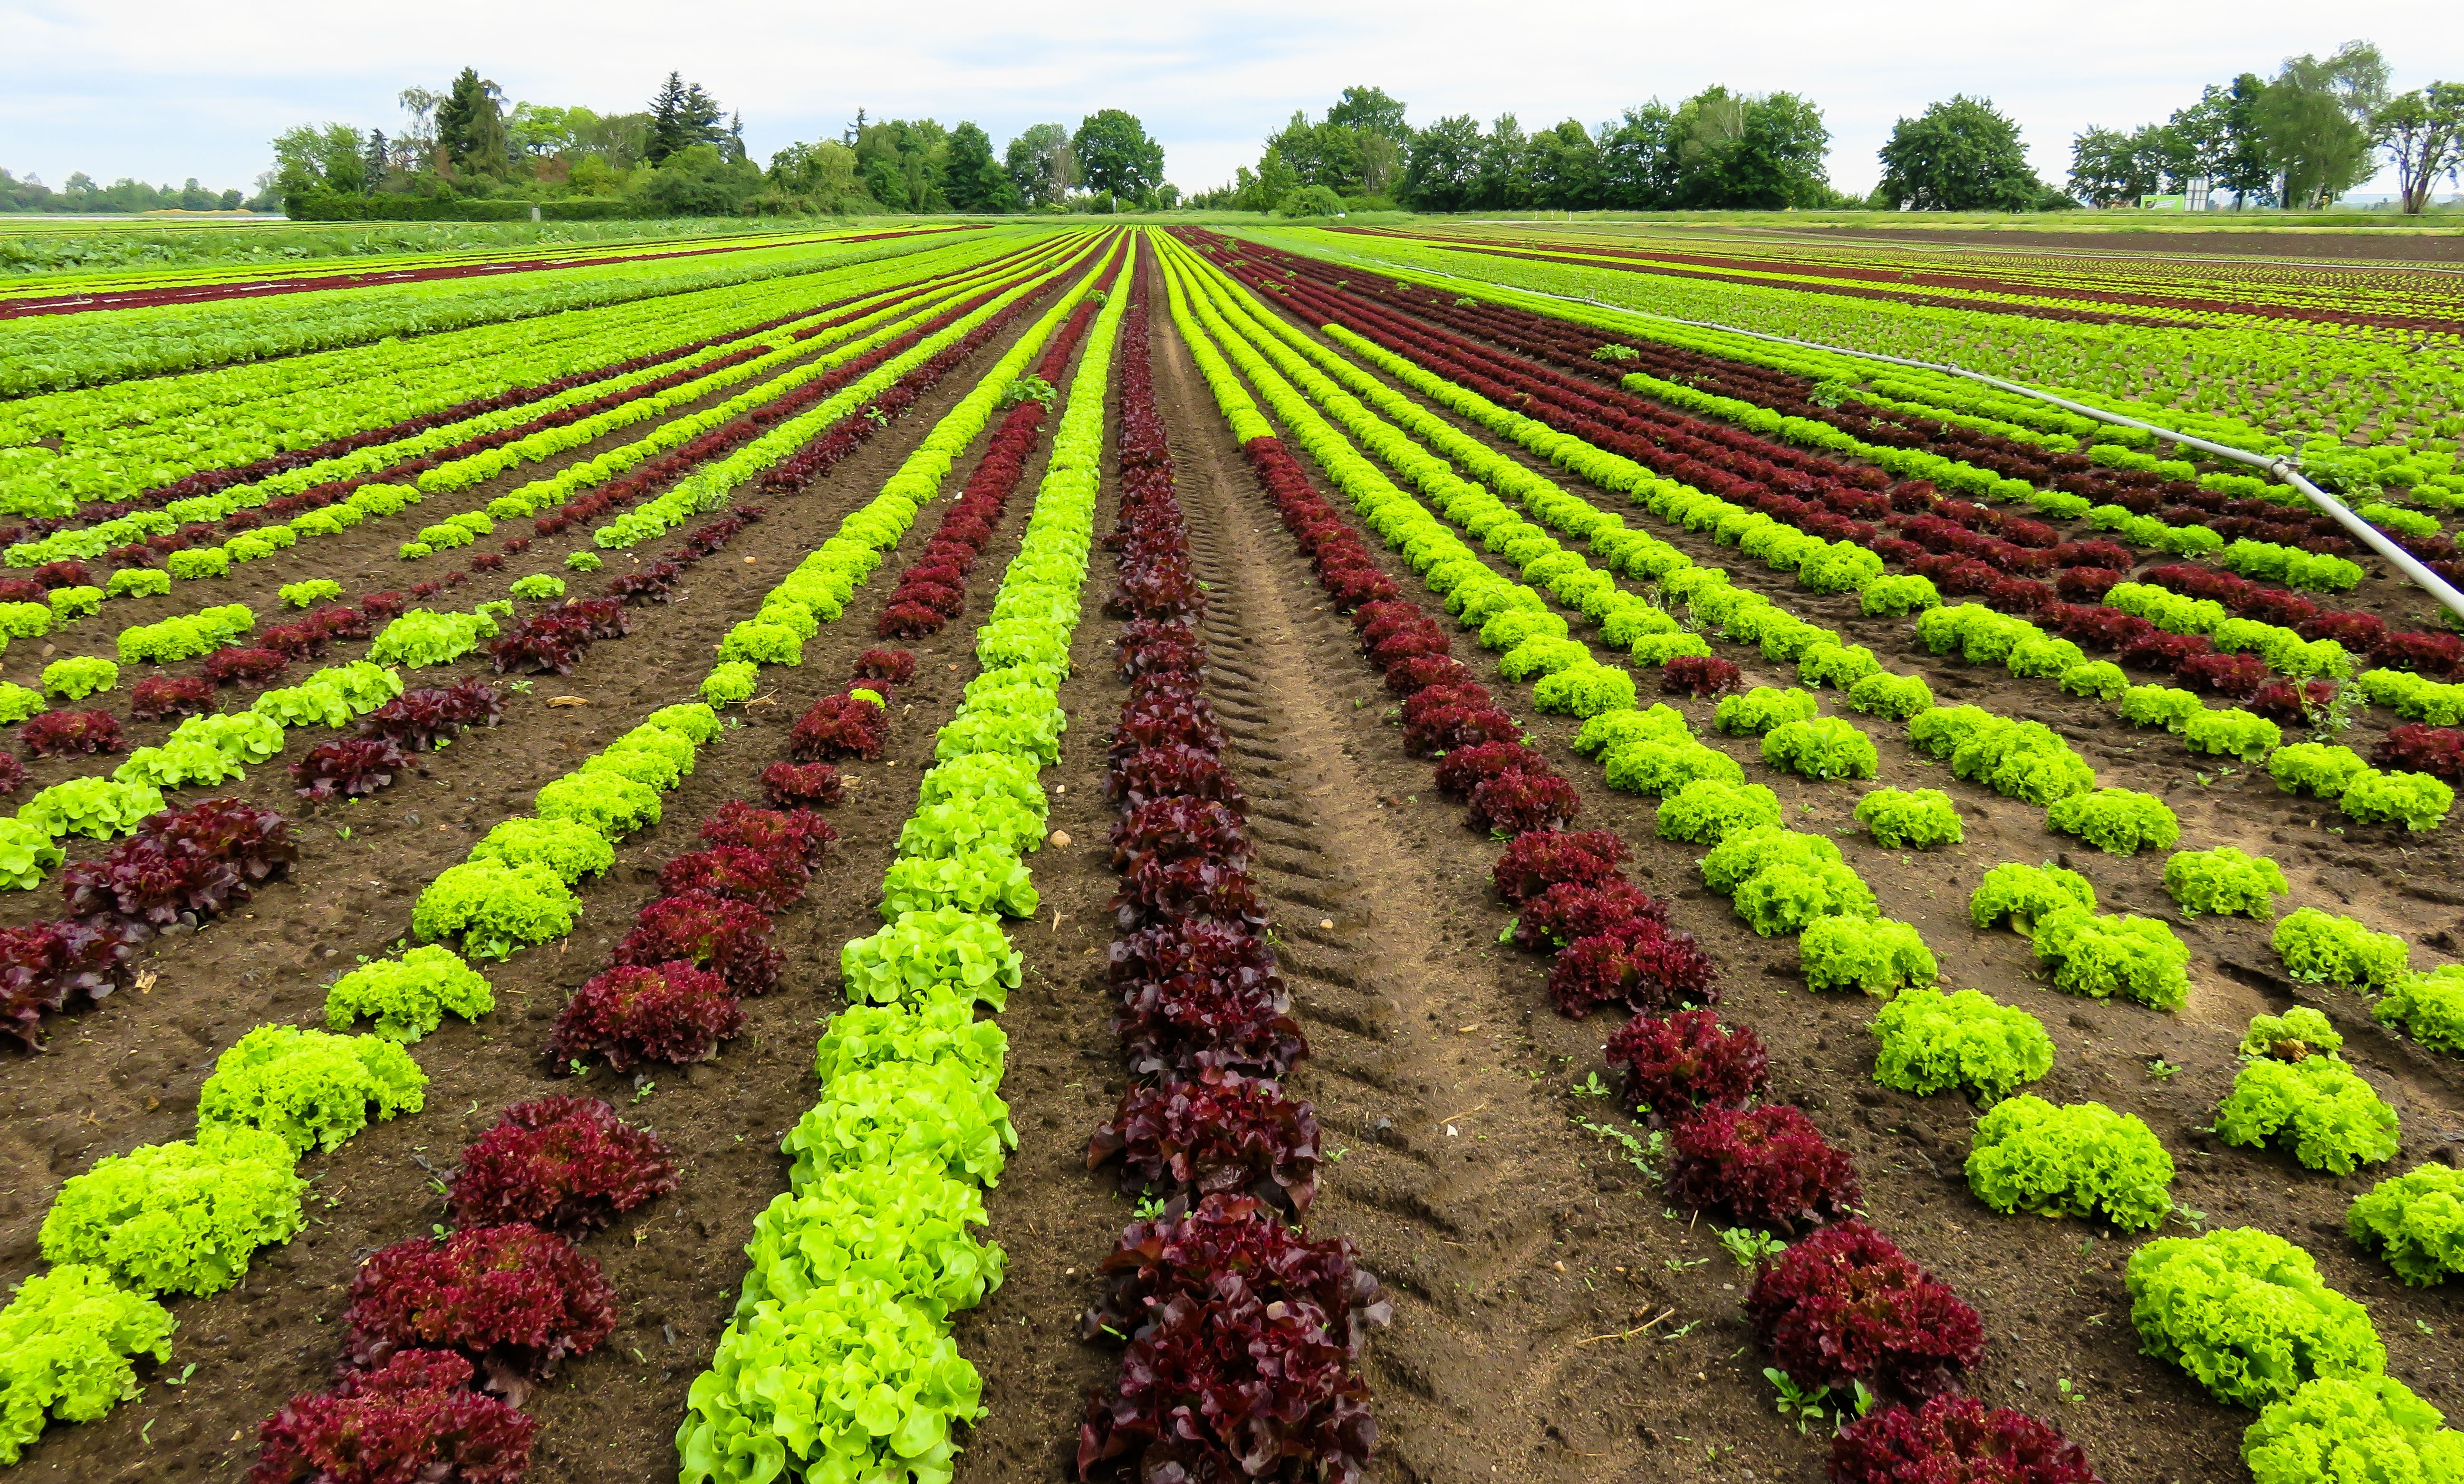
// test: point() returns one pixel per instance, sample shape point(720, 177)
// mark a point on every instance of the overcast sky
point(162, 91)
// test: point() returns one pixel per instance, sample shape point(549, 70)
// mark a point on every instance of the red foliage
point(1177, 1027)
point(2237, 675)
point(514, 1299)
point(45, 965)
point(1543, 858)
point(23, 590)
point(1637, 966)
point(797, 835)
point(348, 768)
point(1219, 1133)
point(1700, 676)
point(419, 719)
point(13, 774)
point(1466, 768)
point(384, 605)
point(1190, 949)
point(488, 561)
point(1157, 718)
point(2432, 654)
point(1845, 1306)
point(1468, 698)
point(413, 1420)
point(63, 574)
point(2360, 632)
point(802, 785)
point(1571, 911)
point(1426, 670)
point(731, 939)
point(1952, 1439)
point(182, 864)
point(1445, 727)
point(773, 884)
point(1172, 770)
point(63, 734)
point(163, 697)
point(1688, 1061)
point(894, 666)
point(1158, 888)
point(672, 1013)
point(302, 641)
point(840, 726)
point(1514, 802)
point(2416, 748)
point(1769, 1165)
point(2086, 585)
point(547, 644)
point(232, 666)
point(1183, 1254)
point(1177, 828)
point(2278, 701)
point(569, 1164)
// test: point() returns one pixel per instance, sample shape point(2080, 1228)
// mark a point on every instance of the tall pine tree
point(668, 122)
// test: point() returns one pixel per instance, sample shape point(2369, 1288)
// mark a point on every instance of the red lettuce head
point(410, 1421)
point(1218, 1133)
point(514, 1300)
point(569, 1164)
point(672, 1013)
point(1845, 1306)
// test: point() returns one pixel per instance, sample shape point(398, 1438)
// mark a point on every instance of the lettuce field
point(1430, 853)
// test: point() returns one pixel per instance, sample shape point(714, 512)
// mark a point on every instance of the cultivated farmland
point(1442, 851)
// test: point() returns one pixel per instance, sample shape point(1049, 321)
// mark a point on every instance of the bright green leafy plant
point(946, 952)
point(2120, 821)
point(537, 587)
point(2320, 769)
point(569, 847)
point(408, 997)
point(28, 855)
point(2416, 1222)
point(2320, 947)
point(2101, 680)
point(312, 591)
point(2245, 1313)
point(935, 1114)
point(1760, 709)
point(2318, 1105)
point(179, 1218)
point(2232, 733)
point(2224, 881)
point(2160, 706)
point(2079, 1159)
point(1891, 697)
point(80, 676)
point(1709, 810)
point(2367, 1429)
point(2429, 1007)
point(612, 804)
point(1824, 748)
point(493, 908)
point(2291, 1037)
point(311, 1089)
point(1880, 955)
point(1904, 819)
point(1659, 769)
point(67, 1340)
point(2138, 958)
point(2021, 894)
point(97, 808)
point(975, 881)
point(1935, 1042)
point(2416, 800)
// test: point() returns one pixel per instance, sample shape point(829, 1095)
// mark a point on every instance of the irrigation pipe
point(2367, 535)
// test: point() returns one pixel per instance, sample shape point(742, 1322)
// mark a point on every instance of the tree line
point(2314, 130)
point(80, 195)
point(685, 155)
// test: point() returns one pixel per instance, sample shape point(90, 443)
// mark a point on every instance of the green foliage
point(1824, 748)
point(1709, 810)
point(1540, 655)
point(2318, 947)
point(2044, 659)
point(80, 676)
point(569, 847)
point(1894, 596)
point(2224, 881)
point(2291, 1037)
point(1933, 1043)
point(2416, 1222)
point(2100, 679)
point(25, 619)
point(936, 1114)
point(1585, 691)
point(66, 1342)
point(997, 822)
point(1660, 769)
point(2429, 1007)
point(1514, 625)
point(582, 561)
point(2320, 769)
point(610, 803)
point(2136, 957)
point(75, 603)
point(2021, 759)
point(1779, 880)
point(2160, 706)
point(691, 720)
point(975, 880)
point(1891, 697)
point(1609, 730)
point(409, 997)
point(1904, 819)
point(138, 582)
point(198, 562)
point(310, 593)
point(2077, 1160)
point(946, 952)
point(184, 637)
point(756, 643)
point(493, 908)
point(28, 854)
point(243, 737)
point(537, 587)
point(420, 638)
point(983, 774)
point(310, 1089)
point(2232, 733)
point(1837, 665)
point(1880, 955)
point(2364, 1430)
point(19, 702)
point(95, 808)
point(183, 1217)
point(904, 1225)
point(2332, 1120)
point(2414, 697)
point(732, 682)
point(1760, 709)
point(2245, 1313)
point(178, 764)
point(2120, 821)
point(2416, 799)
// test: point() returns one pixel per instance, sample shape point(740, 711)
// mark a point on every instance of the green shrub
point(1935, 1042)
point(2291, 1037)
point(569, 847)
point(2120, 821)
point(2416, 799)
point(19, 702)
point(1514, 625)
point(1709, 810)
point(1661, 768)
point(95, 808)
point(1837, 665)
point(761, 644)
point(310, 1089)
point(1902, 818)
point(75, 603)
point(2416, 1222)
point(408, 997)
point(537, 587)
point(420, 638)
point(310, 593)
point(2022, 894)
point(25, 619)
point(1760, 709)
point(2332, 1119)
point(2414, 697)
point(2429, 1007)
point(2224, 881)
point(2100, 679)
point(2080, 1159)
point(582, 561)
point(1822, 749)
point(610, 803)
point(1786, 898)
point(2160, 706)
point(2136, 957)
point(2364, 1430)
point(1891, 697)
point(198, 562)
point(2316, 768)
point(2021, 759)
point(1878, 955)
point(138, 582)
point(1540, 655)
point(67, 1340)
point(1897, 596)
point(179, 1218)
point(2320, 947)
point(1743, 852)
point(2232, 733)
point(80, 676)
point(1939, 731)
point(243, 737)
point(729, 682)
point(2244, 1312)
point(1609, 730)
point(1585, 691)
point(2044, 659)
point(493, 908)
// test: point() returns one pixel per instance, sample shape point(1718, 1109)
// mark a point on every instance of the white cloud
point(162, 91)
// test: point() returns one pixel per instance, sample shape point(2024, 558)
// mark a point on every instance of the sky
point(162, 91)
